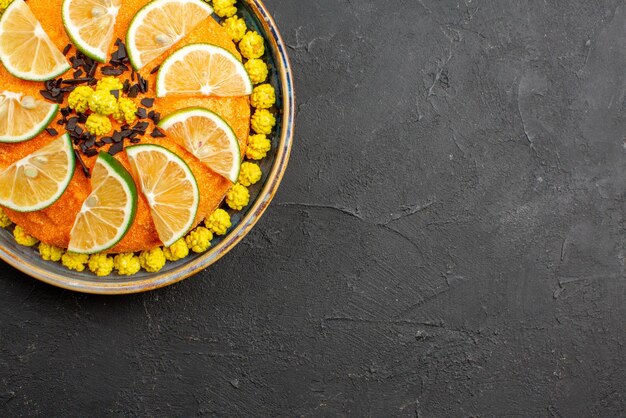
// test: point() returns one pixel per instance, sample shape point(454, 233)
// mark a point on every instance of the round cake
point(136, 80)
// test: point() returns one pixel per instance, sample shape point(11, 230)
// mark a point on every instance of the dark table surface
point(449, 239)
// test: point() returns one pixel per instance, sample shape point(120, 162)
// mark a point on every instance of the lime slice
point(108, 212)
point(160, 25)
point(90, 25)
point(208, 137)
point(22, 117)
point(38, 180)
point(25, 48)
point(203, 69)
point(170, 188)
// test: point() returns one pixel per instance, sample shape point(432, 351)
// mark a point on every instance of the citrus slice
point(208, 137)
point(203, 69)
point(38, 180)
point(159, 25)
point(108, 212)
point(170, 188)
point(90, 25)
point(25, 48)
point(22, 117)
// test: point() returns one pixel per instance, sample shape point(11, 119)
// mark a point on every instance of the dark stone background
point(449, 240)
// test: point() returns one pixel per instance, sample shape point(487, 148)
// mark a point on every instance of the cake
point(107, 107)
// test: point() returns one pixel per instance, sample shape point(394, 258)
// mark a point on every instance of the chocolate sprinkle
point(71, 124)
point(134, 91)
point(89, 142)
point(91, 152)
point(154, 116)
point(92, 70)
point(140, 127)
point(109, 70)
point(58, 98)
point(82, 164)
point(157, 133)
point(147, 102)
point(116, 148)
point(67, 49)
point(77, 81)
point(143, 83)
point(155, 69)
point(115, 93)
point(52, 131)
point(122, 50)
point(126, 133)
point(141, 113)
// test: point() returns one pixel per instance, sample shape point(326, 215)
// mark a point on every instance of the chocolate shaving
point(157, 133)
point(58, 98)
point(155, 117)
point(89, 142)
point(141, 113)
point(143, 84)
point(109, 70)
point(116, 148)
point(92, 70)
point(91, 152)
point(82, 164)
point(133, 92)
point(147, 102)
point(140, 127)
point(77, 81)
point(71, 124)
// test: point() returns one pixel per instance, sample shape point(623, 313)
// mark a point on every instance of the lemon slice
point(169, 187)
point(160, 25)
point(208, 137)
point(108, 212)
point(25, 48)
point(22, 117)
point(90, 25)
point(38, 180)
point(203, 69)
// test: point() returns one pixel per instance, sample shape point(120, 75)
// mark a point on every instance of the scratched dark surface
point(449, 240)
